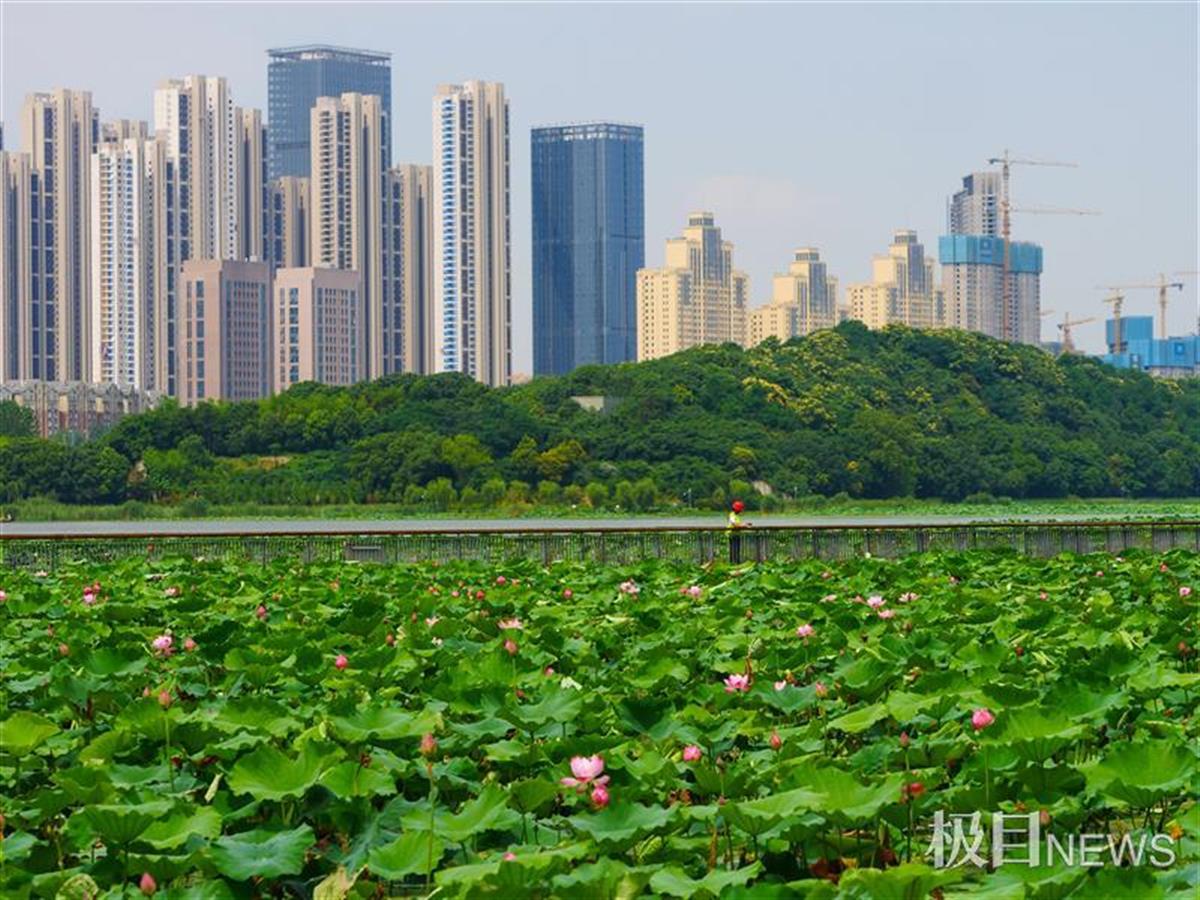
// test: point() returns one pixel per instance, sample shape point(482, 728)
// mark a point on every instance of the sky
point(797, 125)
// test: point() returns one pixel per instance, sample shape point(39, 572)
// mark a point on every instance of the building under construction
point(1169, 357)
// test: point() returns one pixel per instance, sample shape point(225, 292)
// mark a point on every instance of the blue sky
point(797, 124)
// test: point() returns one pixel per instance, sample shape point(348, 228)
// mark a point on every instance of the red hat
point(738, 505)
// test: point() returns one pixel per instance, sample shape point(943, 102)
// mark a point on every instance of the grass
point(44, 510)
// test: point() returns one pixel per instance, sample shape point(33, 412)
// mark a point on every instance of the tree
point(557, 463)
point(15, 420)
point(465, 454)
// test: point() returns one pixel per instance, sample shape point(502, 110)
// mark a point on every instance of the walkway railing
point(620, 545)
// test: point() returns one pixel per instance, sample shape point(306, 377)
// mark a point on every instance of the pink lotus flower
point(1162, 567)
point(586, 770)
point(164, 699)
point(390, 640)
point(600, 796)
point(907, 597)
point(629, 587)
point(509, 856)
point(875, 601)
point(887, 613)
point(982, 718)
point(904, 740)
point(454, 593)
point(189, 645)
point(162, 644)
point(829, 598)
point(171, 592)
point(64, 650)
point(548, 671)
point(511, 646)
point(568, 593)
point(805, 631)
point(428, 745)
point(147, 885)
point(1185, 591)
point(89, 598)
point(953, 580)
point(826, 574)
point(430, 621)
point(820, 690)
point(1042, 595)
point(510, 624)
point(776, 740)
point(3, 597)
point(737, 684)
point(500, 579)
point(261, 612)
point(780, 685)
point(341, 662)
point(692, 753)
point(1099, 573)
point(694, 591)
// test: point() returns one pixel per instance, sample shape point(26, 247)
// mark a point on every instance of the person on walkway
point(735, 527)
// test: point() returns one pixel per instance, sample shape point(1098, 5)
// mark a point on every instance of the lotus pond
point(211, 729)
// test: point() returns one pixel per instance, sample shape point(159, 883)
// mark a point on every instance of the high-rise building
point(318, 327)
point(346, 211)
point(972, 258)
point(287, 239)
point(128, 228)
point(223, 333)
point(803, 300)
point(16, 265)
point(901, 290)
point(59, 129)
point(298, 76)
point(588, 244)
point(410, 321)
point(252, 220)
point(196, 119)
point(471, 235)
point(696, 298)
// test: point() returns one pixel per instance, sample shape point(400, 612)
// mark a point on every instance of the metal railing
point(613, 545)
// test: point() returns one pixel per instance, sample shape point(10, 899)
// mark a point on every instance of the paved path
point(151, 527)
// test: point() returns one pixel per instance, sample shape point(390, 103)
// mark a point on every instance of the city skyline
point(767, 206)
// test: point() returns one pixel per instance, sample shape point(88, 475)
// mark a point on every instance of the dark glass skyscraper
point(588, 243)
point(297, 76)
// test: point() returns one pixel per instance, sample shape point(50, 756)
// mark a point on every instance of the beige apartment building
point(128, 212)
point(251, 184)
point(59, 129)
point(696, 298)
point(223, 333)
point(901, 290)
point(803, 300)
point(318, 327)
point(347, 208)
point(16, 274)
point(472, 283)
point(287, 230)
point(410, 320)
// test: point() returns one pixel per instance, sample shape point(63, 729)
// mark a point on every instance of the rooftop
point(327, 51)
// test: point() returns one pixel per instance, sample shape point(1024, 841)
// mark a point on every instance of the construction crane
point(1117, 298)
point(1006, 162)
point(1161, 286)
point(1193, 272)
point(1065, 326)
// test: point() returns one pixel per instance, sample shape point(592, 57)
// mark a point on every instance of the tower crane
point(1193, 272)
point(1006, 161)
point(1162, 285)
point(1116, 300)
point(1065, 326)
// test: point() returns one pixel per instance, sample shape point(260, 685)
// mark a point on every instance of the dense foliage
point(895, 413)
point(208, 729)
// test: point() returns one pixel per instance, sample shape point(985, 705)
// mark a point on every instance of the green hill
point(895, 413)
